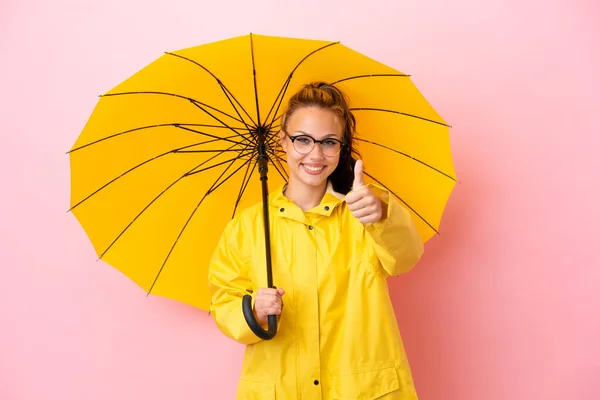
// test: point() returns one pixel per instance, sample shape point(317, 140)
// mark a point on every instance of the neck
point(304, 196)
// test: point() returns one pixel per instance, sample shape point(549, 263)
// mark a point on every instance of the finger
point(363, 212)
point(352, 197)
point(267, 291)
point(280, 291)
point(271, 311)
point(355, 195)
point(372, 215)
point(267, 301)
point(359, 180)
point(363, 202)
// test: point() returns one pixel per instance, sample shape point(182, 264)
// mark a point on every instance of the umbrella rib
point(271, 143)
point(172, 151)
point(278, 101)
point(400, 113)
point(216, 186)
point(271, 140)
point(245, 136)
point(277, 151)
point(254, 77)
point(176, 125)
point(244, 185)
point(193, 101)
point(199, 105)
point(270, 125)
point(238, 157)
point(371, 76)
point(403, 202)
point(212, 189)
point(157, 197)
point(278, 159)
point(204, 151)
point(237, 111)
point(224, 88)
point(289, 79)
point(410, 157)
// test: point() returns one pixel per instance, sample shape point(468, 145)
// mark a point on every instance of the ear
point(283, 140)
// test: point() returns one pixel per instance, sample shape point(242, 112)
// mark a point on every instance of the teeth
point(313, 169)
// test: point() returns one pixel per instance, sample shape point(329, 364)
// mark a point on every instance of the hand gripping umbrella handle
point(254, 325)
point(258, 330)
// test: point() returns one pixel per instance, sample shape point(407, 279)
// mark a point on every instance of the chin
point(315, 181)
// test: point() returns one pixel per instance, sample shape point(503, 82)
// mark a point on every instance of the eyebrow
point(324, 137)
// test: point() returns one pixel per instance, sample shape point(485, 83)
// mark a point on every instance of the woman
point(335, 241)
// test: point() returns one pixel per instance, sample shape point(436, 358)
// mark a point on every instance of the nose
point(317, 152)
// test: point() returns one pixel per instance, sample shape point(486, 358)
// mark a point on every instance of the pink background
point(503, 305)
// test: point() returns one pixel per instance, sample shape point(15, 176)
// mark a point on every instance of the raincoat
point(338, 337)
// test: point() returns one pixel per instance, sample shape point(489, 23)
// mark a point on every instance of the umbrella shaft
point(263, 169)
point(267, 232)
point(263, 161)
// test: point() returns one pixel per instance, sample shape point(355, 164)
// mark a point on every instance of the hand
point(361, 200)
point(267, 302)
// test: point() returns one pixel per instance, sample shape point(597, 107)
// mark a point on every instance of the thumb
point(281, 291)
point(359, 180)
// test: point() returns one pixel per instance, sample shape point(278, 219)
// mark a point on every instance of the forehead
point(315, 122)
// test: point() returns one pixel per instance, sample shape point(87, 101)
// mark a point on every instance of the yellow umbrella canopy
point(170, 155)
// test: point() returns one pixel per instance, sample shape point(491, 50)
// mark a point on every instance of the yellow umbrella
point(169, 155)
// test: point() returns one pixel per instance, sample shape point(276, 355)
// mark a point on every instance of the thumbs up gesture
point(365, 206)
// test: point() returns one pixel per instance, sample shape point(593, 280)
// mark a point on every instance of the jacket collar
point(286, 207)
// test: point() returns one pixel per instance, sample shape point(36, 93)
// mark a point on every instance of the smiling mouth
point(313, 169)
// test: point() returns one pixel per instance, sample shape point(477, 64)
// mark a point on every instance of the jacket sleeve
point(229, 280)
point(395, 237)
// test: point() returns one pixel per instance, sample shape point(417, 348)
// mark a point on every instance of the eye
point(303, 140)
point(330, 142)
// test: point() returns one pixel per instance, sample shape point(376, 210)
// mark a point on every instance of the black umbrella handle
point(254, 325)
point(263, 162)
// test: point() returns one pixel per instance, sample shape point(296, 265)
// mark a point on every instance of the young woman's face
point(311, 169)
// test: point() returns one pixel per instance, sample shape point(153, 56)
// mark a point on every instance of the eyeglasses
point(304, 144)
